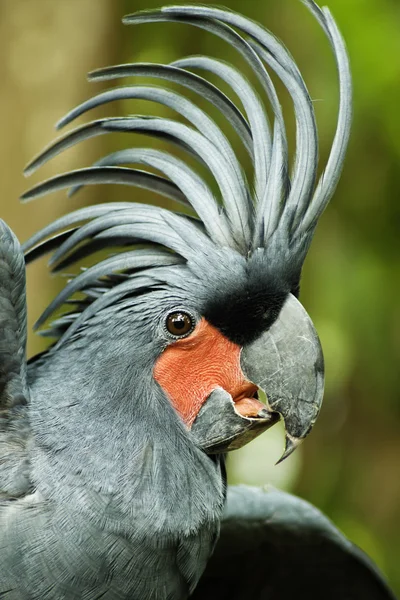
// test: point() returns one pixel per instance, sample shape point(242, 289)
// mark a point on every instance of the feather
point(143, 280)
point(14, 390)
point(196, 117)
point(82, 214)
point(282, 213)
point(307, 556)
point(254, 109)
point(191, 81)
point(252, 105)
point(47, 246)
point(231, 184)
point(109, 175)
point(330, 177)
point(137, 259)
point(145, 222)
point(191, 185)
point(306, 161)
point(229, 181)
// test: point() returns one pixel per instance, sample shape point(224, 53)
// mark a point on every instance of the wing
point(274, 546)
point(14, 394)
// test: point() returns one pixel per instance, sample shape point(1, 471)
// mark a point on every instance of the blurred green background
point(350, 465)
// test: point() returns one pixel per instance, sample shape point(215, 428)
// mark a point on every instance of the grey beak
point(287, 363)
point(229, 430)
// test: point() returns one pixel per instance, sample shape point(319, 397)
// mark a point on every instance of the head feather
point(277, 212)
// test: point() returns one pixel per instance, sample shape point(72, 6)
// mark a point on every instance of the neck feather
point(119, 452)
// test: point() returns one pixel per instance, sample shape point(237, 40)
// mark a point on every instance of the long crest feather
point(191, 81)
point(281, 207)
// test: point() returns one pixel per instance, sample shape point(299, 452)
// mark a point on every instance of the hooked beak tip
point(291, 443)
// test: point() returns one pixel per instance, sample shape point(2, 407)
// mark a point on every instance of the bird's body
point(113, 441)
point(95, 490)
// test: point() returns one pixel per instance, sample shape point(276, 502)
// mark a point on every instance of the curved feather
point(269, 189)
point(330, 177)
point(196, 117)
point(229, 181)
point(193, 187)
point(262, 37)
point(107, 175)
point(191, 81)
point(306, 158)
point(143, 280)
point(137, 259)
point(254, 109)
point(148, 223)
point(81, 214)
point(252, 105)
point(276, 55)
point(43, 248)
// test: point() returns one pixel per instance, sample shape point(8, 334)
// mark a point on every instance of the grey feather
point(196, 117)
point(82, 214)
point(107, 175)
point(149, 223)
point(145, 279)
point(129, 260)
point(230, 182)
point(266, 40)
point(330, 177)
point(14, 393)
point(47, 246)
point(253, 107)
point(193, 82)
point(305, 167)
point(306, 155)
point(192, 186)
point(273, 541)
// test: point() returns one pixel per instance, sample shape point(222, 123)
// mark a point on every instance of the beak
point(286, 363)
point(230, 430)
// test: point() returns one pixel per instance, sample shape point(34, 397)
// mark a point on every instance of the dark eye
point(179, 323)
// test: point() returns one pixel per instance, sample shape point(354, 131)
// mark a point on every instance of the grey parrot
point(181, 340)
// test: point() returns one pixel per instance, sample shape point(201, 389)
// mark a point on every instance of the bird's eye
point(179, 323)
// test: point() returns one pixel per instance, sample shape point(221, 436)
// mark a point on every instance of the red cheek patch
point(191, 368)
